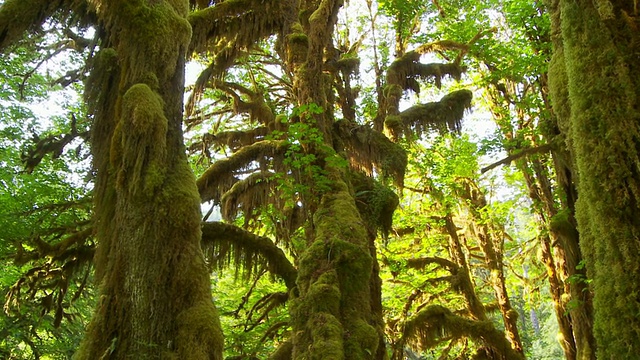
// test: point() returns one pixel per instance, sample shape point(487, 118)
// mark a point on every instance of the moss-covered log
point(595, 86)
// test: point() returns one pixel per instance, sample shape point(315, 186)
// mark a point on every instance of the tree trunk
point(595, 79)
point(155, 294)
point(491, 246)
point(332, 315)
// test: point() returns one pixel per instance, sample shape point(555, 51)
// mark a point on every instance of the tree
point(154, 287)
point(593, 81)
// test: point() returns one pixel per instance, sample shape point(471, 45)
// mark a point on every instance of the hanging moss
point(297, 45)
point(369, 150)
point(239, 23)
point(226, 244)
point(221, 175)
point(444, 116)
point(405, 70)
point(436, 323)
point(348, 64)
point(376, 203)
point(18, 16)
point(139, 150)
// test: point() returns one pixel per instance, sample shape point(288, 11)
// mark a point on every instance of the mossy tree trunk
point(492, 246)
point(594, 81)
point(332, 314)
point(554, 206)
point(155, 294)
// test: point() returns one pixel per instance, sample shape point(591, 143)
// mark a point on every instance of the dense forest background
point(393, 179)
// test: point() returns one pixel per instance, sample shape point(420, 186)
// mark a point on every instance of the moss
point(435, 323)
point(361, 340)
point(326, 332)
point(348, 65)
point(144, 32)
point(443, 116)
point(596, 61)
point(298, 44)
point(139, 141)
point(17, 16)
point(376, 203)
point(324, 295)
point(194, 339)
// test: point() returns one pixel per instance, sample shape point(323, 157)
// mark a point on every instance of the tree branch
point(225, 239)
point(510, 158)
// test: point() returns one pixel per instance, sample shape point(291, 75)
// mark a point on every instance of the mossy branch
point(371, 151)
point(222, 174)
point(18, 16)
point(247, 195)
point(406, 70)
point(243, 21)
point(227, 244)
point(534, 150)
point(444, 116)
point(436, 323)
point(421, 263)
point(236, 139)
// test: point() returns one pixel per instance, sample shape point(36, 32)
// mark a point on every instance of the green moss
point(376, 202)
point(324, 294)
point(601, 71)
point(144, 35)
point(199, 335)
point(142, 137)
point(361, 340)
point(326, 332)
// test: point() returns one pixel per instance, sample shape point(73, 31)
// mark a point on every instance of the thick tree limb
point(227, 240)
point(221, 175)
point(421, 263)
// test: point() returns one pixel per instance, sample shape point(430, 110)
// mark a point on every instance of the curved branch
point(534, 150)
point(243, 21)
point(421, 263)
point(444, 115)
point(221, 175)
point(227, 243)
point(436, 323)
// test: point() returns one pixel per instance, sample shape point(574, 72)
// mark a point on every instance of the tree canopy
point(305, 179)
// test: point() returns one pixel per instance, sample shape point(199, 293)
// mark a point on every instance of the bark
point(155, 293)
point(594, 84)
